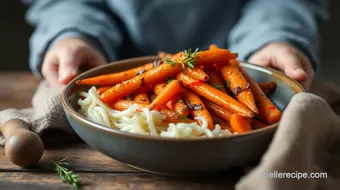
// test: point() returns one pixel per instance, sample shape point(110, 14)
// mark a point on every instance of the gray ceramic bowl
point(177, 156)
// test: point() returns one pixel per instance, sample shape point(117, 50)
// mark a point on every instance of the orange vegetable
point(122, 105)
point(257, 124)
point(214, 56)
point(239, 86)
point(197, 73)
point(153, 76)
point(218, 110)
point(207, 91)
point(213, 46)
point(142, 98)
point(115, 78)
point(216, 80)
point(196, 107)
point(267, 87)
point(173, 117)
point(102, 89)
point(170, 91)
point(268, 112)
point(181, 108)
point(162, 54)
point(239, 124)
point(223, 124)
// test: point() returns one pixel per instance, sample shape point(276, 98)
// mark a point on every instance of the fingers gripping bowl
point(165, 154)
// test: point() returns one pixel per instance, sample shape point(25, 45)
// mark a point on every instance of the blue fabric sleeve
point(292, 21)
point(56, 20)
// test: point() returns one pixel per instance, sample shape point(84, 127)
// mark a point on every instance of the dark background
point(14, 35)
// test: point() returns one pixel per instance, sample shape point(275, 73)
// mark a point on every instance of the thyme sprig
point(66, 175)
point(188, 59)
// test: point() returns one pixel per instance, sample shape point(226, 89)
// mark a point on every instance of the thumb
point(291, 65)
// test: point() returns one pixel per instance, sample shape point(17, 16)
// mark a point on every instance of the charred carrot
point(170, 91)
point(239, 86)
point(115, 78)
point(181, 108)
point(221, 123)
point(257, 124)
point(173, 117)
point(268, 112)
point(197, 73)
point(239, 124)
point(216, 80)
point(218, 97)
point(102, 89)
point(267, 87)
point(196, 107)
point(142, 98)
point(218, 110)
point(153, 76)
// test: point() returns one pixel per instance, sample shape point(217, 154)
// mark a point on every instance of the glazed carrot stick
point(268, 112)
point(218, 110)
point(115, 78)
point(181, 108)
point(170, 91)
point(102, 89)
point(216, 80)
point(162, 54)
point(122, 105)
point(218, 97)
point(239, 86)
point(197, 108)
point(213, 46)
point(142, 98)
point(214, 56)
point(267, 87)
point(239, 124)
point(173, 117)
point(223, 124)
point(257, 124)
point(153, 76)
point(197, 73)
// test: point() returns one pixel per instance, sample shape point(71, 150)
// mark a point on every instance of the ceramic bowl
point(177, 156)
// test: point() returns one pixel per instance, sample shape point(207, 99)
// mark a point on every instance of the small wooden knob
point(23, 147)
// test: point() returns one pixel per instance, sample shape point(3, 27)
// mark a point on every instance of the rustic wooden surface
point(96, 170)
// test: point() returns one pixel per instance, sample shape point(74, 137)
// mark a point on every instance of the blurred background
point(15, 33)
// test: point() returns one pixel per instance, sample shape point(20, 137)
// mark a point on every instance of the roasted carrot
point(218, 110)
point(115, 78)
point(181, 108)
point(215, 56)
point(153, 76)
point(170, 91)
point(268, 112)
point(257, 124)
point(213, 46)
point(196, 107)
point(152, 97)
point(122, 105)
point(223, 124)
point(216, 80)
point(159, 88)
point(173, 117)
point(239, 86)
point(102, 89)
point(207, 91)
point(197, 73)
point(142, 98)
point(162, 54)
point(267, 87)
point(239, 124)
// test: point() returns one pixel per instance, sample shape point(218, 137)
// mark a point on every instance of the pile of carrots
point(188, 84)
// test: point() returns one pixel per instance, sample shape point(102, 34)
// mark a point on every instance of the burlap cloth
point(307, 140)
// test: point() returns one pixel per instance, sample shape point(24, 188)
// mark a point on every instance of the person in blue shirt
point(71, 34)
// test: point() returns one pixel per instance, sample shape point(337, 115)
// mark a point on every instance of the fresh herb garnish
point(185, 119)
point(216, 86)
point(66, 175)
point(169, 79)
point(188, 58)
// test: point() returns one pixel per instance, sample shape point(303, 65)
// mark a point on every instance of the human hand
point(64, 60)
point(287, 59)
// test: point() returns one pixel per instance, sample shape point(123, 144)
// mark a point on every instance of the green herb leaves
point(66, 175)
point(188, 59)
point(216, 86)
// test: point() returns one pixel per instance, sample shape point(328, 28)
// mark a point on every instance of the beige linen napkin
point(307, 140)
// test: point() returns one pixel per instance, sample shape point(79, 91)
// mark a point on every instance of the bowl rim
point(73, 113)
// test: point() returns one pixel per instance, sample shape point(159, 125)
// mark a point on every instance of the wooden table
point(96, 170)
